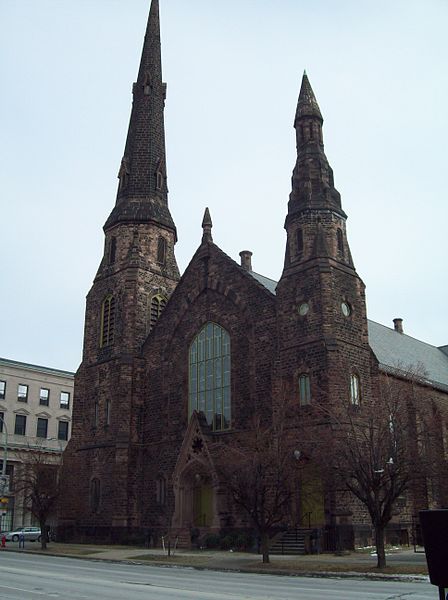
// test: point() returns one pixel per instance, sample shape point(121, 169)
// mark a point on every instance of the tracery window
point(107, 321)
point(209, 376)
point(355, 390)
point(157, 304)
point(304, 389)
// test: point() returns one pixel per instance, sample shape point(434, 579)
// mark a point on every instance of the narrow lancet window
point(299, 237)
point(304, 389)
point(161, 251)
point(340, 241)
point(107, 321)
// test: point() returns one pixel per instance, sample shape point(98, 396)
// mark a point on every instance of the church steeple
point(312, 180)
point(315, 222)
point(142, 190)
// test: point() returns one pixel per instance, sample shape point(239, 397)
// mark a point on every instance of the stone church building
point(173, 363)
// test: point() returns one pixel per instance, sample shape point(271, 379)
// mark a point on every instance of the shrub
point(212, 540)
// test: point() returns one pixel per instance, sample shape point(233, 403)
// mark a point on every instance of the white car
point(31, 534)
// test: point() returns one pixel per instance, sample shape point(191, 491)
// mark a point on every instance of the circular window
point(304, 309)
point(346, 309)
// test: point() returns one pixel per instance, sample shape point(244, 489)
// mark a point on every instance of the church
point(172, 364)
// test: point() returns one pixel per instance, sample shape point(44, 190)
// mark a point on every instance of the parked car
point(31, 534)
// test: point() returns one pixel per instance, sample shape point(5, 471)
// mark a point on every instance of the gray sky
point(233, 69)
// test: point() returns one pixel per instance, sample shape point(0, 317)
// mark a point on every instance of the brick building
point(171, 364)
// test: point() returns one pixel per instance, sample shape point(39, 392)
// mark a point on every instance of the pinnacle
point(307, 105)
point(207, 227)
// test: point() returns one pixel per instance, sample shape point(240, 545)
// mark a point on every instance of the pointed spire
point(312, 180)
point(207, 227)
point(142, 191)
point(307, 105)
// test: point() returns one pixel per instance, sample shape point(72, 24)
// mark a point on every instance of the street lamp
point(4, 479)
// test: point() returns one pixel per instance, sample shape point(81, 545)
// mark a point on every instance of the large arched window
point(209, 380)
point(107, 321)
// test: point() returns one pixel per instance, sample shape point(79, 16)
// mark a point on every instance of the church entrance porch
point(195, 501)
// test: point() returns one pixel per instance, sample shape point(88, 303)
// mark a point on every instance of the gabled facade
point(175, 366)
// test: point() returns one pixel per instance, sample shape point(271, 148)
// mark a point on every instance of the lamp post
point(4, 479)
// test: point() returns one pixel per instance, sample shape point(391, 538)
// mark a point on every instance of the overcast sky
point(233, 69)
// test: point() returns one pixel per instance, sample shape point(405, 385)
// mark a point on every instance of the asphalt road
point(31, 577)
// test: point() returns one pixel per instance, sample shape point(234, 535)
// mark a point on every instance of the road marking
point(8, 587)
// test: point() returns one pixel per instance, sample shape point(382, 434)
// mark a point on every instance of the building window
point(340, 241)
point(42, 428)
point(107, 321)
point(209, 376)
point(304, 389)
point(161, 251)
point(64, 400)
point(20, 425)
point(2, 417)
point(95, 495)
point(355, 390)
point(63, 430)
point(161, 491)
point(2, 389)
point(44, 396)
point(107, 413)
point(157, 305)
point(112, 250)
point(299, 237)
point(159, 180)
point(22, 392)
point(96, 413)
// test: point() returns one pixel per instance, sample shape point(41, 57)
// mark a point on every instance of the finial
point(304, 73)
point(207, 227)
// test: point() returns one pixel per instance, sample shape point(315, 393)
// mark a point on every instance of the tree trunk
point(43, 535)
point(265, 547)
point(379, 543)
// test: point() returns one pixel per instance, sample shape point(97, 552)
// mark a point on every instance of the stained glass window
point(209, 376)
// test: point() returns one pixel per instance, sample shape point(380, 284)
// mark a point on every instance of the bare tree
point(38, 484)
point(375, 450)
point(259, 469)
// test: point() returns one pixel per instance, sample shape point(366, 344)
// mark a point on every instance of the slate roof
point(395, 350)
point(269, 284)
point(398, 350)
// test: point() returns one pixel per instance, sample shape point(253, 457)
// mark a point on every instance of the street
point(29, 577)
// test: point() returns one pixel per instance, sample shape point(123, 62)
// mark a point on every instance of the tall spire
point(142, 191)
point(312, 179)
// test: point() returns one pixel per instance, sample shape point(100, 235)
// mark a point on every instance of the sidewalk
point(401, 563)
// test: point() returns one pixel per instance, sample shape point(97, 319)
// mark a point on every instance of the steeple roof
point(312, 180)
point(307, 105)
point(142, 191)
